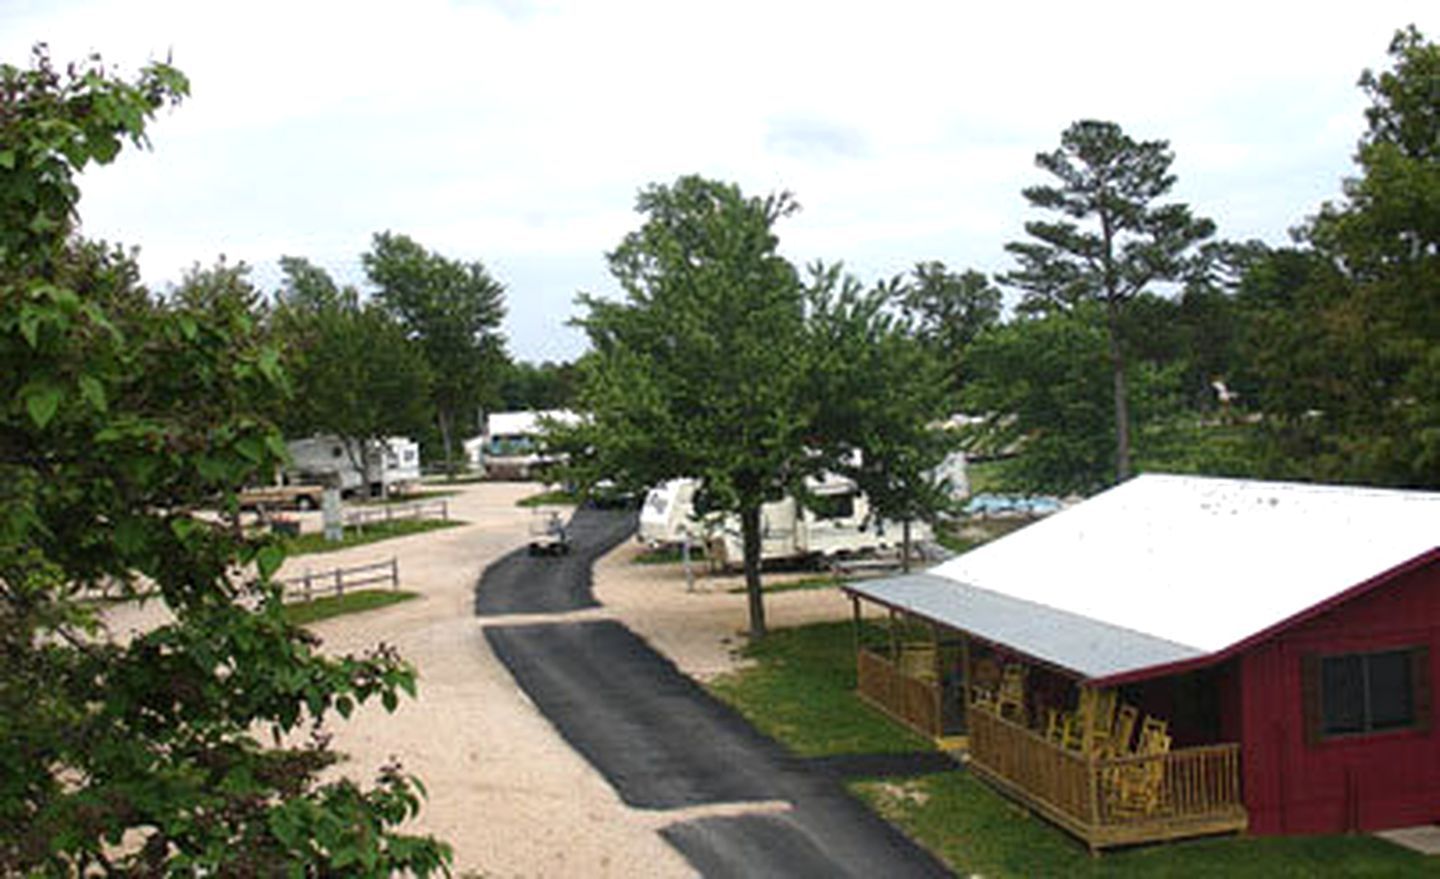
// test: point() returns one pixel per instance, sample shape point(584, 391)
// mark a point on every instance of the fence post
point(339, 582)
point(307, 584)
point(444, 510)
point(394, 572)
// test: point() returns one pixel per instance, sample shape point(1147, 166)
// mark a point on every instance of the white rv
point(512, 446)
point(668, 512)
point(837, 522)
point(393, 464)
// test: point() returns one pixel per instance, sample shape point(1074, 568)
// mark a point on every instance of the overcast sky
point(518, 133)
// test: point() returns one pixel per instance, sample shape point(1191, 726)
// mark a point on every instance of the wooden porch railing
point(909, 700)
point(1112, 801)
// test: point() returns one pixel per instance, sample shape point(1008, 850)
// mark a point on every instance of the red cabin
point(1183, 655)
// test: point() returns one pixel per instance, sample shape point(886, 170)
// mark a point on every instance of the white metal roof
point(1203, 562)
point(1089, 647)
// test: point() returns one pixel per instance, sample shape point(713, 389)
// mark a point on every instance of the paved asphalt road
point(520, 583)
point(664, 743)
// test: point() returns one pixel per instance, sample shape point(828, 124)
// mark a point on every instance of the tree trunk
point(444, 419)
point(750, 534)
point(905, 546)
point(1122, 397)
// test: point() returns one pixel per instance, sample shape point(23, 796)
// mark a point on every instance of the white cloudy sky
point(517, 133)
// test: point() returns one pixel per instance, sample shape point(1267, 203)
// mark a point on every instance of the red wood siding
point(1368, 782)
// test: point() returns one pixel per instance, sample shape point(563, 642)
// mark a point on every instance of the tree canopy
point(452, 310)
point(1347, 339)
point(1110, 183)
point(700, 370)
point(124, 418)
point(355, 371)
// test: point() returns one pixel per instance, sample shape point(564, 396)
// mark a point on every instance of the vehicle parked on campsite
point(835, 520)
point(282, 497)
point(385, 467)
point(512, 445)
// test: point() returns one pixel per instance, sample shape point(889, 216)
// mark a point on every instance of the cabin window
point(1357, 693)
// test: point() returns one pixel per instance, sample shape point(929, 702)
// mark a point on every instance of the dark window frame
point(1321, 725)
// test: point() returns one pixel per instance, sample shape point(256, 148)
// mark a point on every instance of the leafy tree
point(121, 416)
point(1347, 344)
point(882, 393)
point(700, 371)
point(1042, 382)
point(531, 386)
point(453, 311)
point(1108, 182)
point(949, 310)
point(356, 373)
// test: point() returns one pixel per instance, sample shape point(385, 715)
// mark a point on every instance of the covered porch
point(1085, 757)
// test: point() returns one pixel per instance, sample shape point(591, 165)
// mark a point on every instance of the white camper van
point(393, 465)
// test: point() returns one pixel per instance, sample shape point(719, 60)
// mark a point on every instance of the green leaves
point(1112, 242)
point(128, 420)
point(42, 400)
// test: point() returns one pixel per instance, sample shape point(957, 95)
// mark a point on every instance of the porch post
point(965, 681)
point(855, 631)
point(938, 672)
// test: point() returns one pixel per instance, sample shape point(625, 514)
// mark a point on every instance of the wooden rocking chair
point(1010, 698)
point(1137, 787)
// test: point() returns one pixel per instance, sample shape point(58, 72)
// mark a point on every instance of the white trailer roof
point(524, 423)
point(1199, 563)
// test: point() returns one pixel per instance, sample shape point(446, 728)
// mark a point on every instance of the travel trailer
point(393, 465)
point(668, 512)
point(836, 521)
point(512, 446)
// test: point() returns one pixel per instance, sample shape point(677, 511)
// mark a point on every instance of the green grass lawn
point(307, 612)
point(374, 532)
point(801, 692)
point(409, 497)
point(553, 497)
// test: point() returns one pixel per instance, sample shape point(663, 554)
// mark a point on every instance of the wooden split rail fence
point(308, 585)
point(357, 517)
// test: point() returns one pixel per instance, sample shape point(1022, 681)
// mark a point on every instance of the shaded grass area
point(556, 496)
point(374, 532)
point(801, 691)
point(411, 497)
point(360, 600)
point(977, 831)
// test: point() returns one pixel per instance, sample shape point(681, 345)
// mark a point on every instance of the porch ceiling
point(1085, 646)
